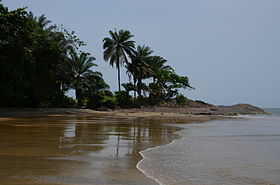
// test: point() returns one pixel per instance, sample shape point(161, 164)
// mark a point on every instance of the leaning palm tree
point(139, 67)
point(80, 68)
point(116, 48)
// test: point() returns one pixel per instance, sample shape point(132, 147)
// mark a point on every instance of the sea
point(243, 150)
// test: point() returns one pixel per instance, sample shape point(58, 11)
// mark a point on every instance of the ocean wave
point(269, 117)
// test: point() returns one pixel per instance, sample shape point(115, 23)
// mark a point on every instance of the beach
point(73, 146)
point(85, 148)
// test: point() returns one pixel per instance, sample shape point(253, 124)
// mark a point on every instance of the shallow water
point(237, 151)
point(77, 150)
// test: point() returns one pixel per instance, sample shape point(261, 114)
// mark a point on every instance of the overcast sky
point(229, 49)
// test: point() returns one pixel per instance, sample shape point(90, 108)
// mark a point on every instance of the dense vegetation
point(41, 62)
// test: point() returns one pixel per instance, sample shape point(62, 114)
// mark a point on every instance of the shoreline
point(196, 112)
point(12, 114)
point(141, 115)
point(138, 115)
point(162, 115)
point(149, 154)
point(143, 158)
point(135, 114)
point(113, 119)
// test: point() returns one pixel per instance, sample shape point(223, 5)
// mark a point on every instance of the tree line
point(40, 62)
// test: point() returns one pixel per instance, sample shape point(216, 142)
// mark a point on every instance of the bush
point(123, 99)
point(108, 101)
point(147, 101)
point(181, 100)
point(70, 102)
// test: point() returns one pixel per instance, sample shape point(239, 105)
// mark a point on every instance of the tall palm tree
point(139, 67)
point(116, 48)
point(80, 68)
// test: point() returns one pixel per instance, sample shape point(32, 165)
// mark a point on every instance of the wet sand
point(144, 114)
point(85, 149)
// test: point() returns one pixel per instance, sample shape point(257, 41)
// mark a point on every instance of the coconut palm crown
point(80, 69)
point(116, 49)
point(139, 67)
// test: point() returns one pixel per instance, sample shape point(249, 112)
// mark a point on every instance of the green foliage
point(139, 67)
point(129, 87)
point(39, 63)
point(147, 101)
point(167, 83)
point(102, 99)
point(69, 102)
point(123, 99)
point(108, 101)
point(181, 100)
point(36, 69)
point(84, 80)
point(116, 47)
point(28, 76)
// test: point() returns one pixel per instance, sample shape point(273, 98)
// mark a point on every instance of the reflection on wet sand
point(77, 150)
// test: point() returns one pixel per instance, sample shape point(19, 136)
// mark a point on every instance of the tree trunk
point(139, 87)
point(77, 93)
point(119, 74)
point(134, 83)
point(119, 79)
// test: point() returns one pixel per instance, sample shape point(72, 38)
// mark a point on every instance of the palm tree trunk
point(119, 79)
point(119, 73)
point(77, 93)
point(134, 83)
point(139, 87)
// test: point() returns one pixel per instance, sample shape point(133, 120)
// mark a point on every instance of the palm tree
point(94, 84)
point(116, 48)
point(139, 67)
point(42, 21)
point(80, 68)
point(157, 63)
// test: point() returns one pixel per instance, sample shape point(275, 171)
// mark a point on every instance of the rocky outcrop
point(201, 108)
point(241, 109)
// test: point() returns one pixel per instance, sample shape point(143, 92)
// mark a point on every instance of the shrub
point(69, 102)
point(123, 99)
point(108, 101)
point(181, 100)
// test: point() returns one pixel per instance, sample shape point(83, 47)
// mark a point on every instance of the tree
point(116, 48)
point(35, 74)
point(168, 83)
point(156, 64)
point(80, 66)
point(36, 57)
point(139, 67)
point(42, 21)
point(93, 84)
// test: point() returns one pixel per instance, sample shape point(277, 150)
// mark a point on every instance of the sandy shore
point(61, 146)
point(194, 112)
point(142, 114)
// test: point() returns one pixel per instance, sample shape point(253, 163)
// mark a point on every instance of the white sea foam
point(269, 117)
point(144, 158)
